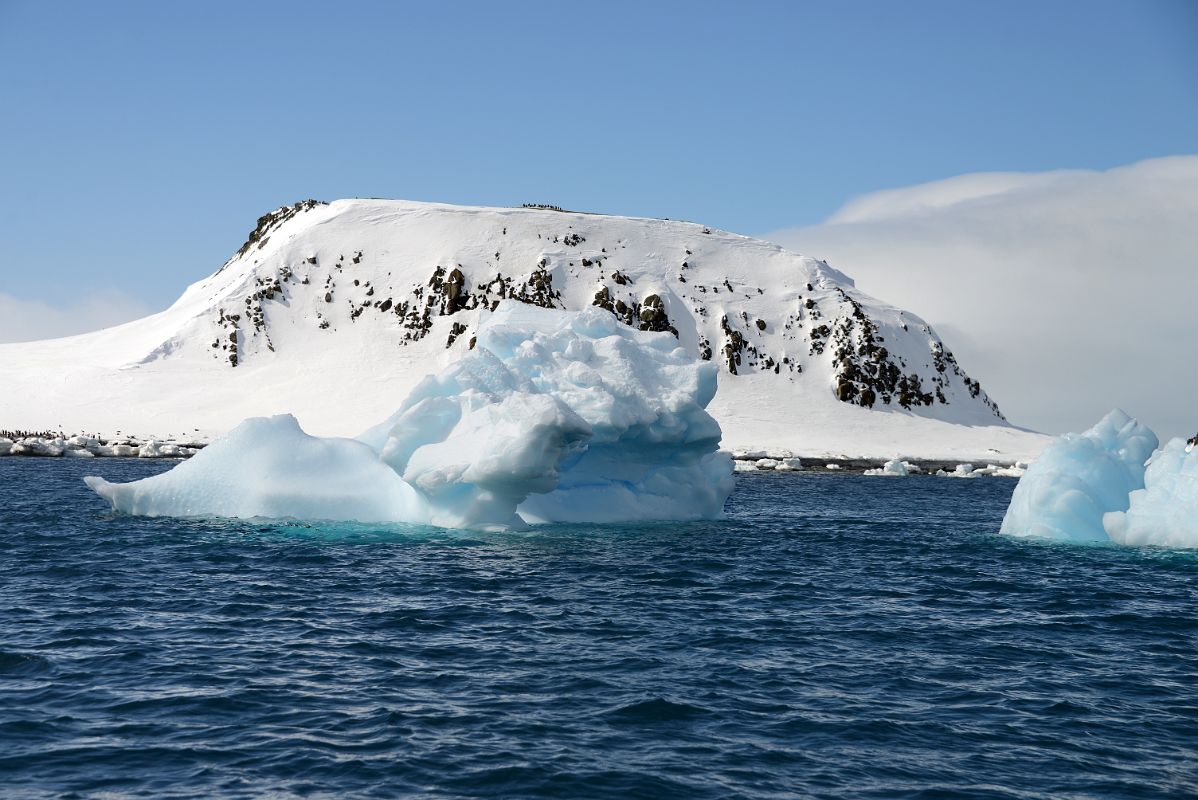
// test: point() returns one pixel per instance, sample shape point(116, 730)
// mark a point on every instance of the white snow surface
point(1165, 511)
point(1081, 476)
point(552, 416)
point(334, 311)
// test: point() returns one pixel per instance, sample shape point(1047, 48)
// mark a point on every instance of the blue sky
point(141, 140)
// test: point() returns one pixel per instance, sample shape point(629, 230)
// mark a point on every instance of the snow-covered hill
point(334, 311)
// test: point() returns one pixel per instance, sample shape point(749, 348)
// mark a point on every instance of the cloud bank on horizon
point(1064, 292)
point(28, 320)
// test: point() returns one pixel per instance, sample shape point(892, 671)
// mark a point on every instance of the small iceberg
point(894, 468)
point(1109, 484)
point(268, 467)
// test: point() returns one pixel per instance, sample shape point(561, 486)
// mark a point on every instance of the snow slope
point(334, 312)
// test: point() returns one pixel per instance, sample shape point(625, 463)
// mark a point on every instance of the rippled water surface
point(836, 636)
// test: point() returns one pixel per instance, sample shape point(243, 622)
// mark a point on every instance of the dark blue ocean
point(836, 636)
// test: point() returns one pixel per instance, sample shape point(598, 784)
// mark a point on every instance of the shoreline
point(763, 461)
point(954, 468)
point(85, 446)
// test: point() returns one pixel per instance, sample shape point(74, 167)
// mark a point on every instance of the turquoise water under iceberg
point(835, 636)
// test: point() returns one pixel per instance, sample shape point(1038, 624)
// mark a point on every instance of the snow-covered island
point(557, 366)
point(335, 312)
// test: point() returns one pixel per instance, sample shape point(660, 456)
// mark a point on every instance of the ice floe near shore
point(80, 446)
point(551, 416)
point(1109, 483)
point(894, 468)
point(1016, 470)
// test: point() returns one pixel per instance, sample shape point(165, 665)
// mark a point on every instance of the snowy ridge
point(335, 311)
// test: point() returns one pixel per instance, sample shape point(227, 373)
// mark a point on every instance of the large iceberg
point(1109, 484)
point(551, 416)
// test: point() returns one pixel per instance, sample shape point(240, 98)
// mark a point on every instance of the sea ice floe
point(893, 468)
point(553, 416)
point(80, 446)
point(1016, 470)
point(38, 447)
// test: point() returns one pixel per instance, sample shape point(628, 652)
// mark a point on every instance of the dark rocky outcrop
point(272, 220)
point(867, 372)
point(653, 316)
point(454, 332)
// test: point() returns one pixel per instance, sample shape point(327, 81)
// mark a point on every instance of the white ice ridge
point(1081, 487)
point(552, 416)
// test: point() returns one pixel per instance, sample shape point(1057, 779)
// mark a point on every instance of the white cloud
point(24, 320)
point(1066, 293)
